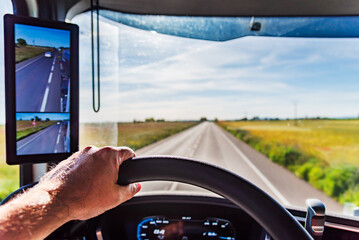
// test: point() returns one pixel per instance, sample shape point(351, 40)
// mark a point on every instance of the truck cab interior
point(243, 114)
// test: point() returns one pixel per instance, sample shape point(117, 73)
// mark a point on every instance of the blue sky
point(43, 116)
point(41, 36)
point(146, 74)
point(149, 74)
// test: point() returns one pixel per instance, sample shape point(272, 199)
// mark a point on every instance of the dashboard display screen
point(42, 83)
point(184, 228)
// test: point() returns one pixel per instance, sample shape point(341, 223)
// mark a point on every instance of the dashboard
point(186, 217)
point(184, 227)
point(178, 217)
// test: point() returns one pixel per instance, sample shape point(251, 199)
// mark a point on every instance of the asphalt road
point(48, 140)
point(38, 84)
point(209, 143)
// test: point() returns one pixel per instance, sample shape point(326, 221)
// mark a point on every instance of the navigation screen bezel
point(10, 89)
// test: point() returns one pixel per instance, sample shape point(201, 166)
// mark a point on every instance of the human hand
point(86, 183)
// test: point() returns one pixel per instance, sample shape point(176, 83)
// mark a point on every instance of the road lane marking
point(58, 137)
point(44, 100)
point(257, 171)
point(47, 90)
point(28, 64)
point(196, 143)
point(53, 62)
point(43, 132)
point(199, 137)
point(50, 78)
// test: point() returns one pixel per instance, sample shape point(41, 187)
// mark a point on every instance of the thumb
point(127, 192)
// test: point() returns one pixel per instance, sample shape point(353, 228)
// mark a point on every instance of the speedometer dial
point(185, 228)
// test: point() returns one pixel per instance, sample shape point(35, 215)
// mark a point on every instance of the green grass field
point(9, 175)
point(25, 52)
point(25, 128)
point(322, 152)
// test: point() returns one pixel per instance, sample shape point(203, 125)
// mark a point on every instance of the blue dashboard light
point(140, 226)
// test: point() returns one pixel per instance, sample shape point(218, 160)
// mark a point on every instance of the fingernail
point(138, 187)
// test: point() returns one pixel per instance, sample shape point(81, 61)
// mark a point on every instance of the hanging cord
point(95, 108)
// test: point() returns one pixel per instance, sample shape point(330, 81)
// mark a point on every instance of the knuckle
point(104, 150)
point(88, 148)
point(126, 151)
point(105, 153)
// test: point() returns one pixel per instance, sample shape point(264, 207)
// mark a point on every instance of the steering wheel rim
point(274, 218)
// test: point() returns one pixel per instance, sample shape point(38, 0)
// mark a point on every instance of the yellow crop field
point(324, 153)
point(335, 141)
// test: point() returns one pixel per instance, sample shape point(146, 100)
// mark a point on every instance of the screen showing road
point(42, 83)
point(42, 133)
point(42, 76)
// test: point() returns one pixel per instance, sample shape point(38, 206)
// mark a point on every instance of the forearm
point(81, 187)
point(33, 215)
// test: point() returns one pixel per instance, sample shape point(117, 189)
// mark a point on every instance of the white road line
point(174, 185)
point(28, 64)
point(58, 135)
point(50, 78)
point(58, 139)
point(43, 132)
point(196, 144)
point(57, 142)
point(257, 171)
point(47, 90)
point(44, 100)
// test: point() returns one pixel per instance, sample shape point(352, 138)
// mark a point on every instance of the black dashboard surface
point(124, 221)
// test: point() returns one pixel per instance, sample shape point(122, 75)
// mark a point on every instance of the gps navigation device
point(41, 89)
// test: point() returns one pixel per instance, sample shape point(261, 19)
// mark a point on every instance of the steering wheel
point(275, 219)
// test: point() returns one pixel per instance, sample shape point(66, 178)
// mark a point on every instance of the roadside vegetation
point(322, 152)
point(24, 128)
point(9, 175)
point(24, 51)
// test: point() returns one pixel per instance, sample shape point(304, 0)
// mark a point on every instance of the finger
point(125, 153)
point(127, 192)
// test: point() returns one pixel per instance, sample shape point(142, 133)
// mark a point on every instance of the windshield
point(279, 111)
